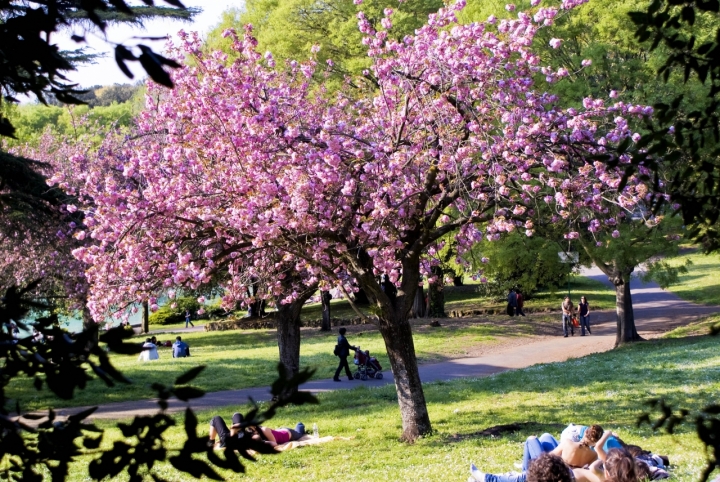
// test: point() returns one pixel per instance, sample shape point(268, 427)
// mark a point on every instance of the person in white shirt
point(149, 351)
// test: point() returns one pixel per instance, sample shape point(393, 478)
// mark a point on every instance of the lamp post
point(571, 258)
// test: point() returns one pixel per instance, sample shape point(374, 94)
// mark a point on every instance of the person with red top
point(520, 303)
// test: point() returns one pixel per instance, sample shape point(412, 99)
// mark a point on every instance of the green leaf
point(186, 393)
point(189, 375)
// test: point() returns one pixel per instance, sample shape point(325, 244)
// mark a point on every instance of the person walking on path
point(520, 304)
point(512, 302)
point(584, 309)
point(567, 313)
point(343, 351)
point(187, 319)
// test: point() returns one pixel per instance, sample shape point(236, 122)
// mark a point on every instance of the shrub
point(166, 315)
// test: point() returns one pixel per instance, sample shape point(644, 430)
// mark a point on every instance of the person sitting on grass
point(180, 348)
point(149, 351)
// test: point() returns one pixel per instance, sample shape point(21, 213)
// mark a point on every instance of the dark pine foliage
point(32, 445)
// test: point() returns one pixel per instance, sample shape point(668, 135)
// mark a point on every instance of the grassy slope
point(607, 388)
point(240, 359)
point(701, 327)
point(702, 283)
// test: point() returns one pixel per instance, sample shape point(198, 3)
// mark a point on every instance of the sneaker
point(336, 380)
point(476, 474)
point(211, 443)
point(565, 336)
point(350, 378)
point(588, 329)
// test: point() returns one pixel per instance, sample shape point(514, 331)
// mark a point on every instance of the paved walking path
point(656, 311)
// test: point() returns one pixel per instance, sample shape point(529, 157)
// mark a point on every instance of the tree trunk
point(325, 298)
point(396, 331)
point(436, 295)
point(288, 335)
point(288, 331)
point(457, 281)
point(145, 327)
point(626, 331)
point(397, 335)
point(419, 308)
point(89, 323)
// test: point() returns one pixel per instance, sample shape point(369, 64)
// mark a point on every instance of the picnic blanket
point(301, 442)
point(308, 440)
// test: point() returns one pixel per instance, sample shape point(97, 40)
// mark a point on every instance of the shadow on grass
point(505, 429)
point(608, 388)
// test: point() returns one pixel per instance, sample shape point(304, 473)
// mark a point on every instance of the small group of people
point(584, 454)
point(516, 302)
point(272, 437)
point(568, 313)
point(180, 349)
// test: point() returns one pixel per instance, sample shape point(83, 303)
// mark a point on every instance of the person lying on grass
point(545, 468)
point(610, 466)
point(618, 467)
point(274, 437)
point(574, 454)
point(218, 427)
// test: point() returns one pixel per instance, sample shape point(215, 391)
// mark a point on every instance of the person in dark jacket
point(512, 302)
point(344, 348)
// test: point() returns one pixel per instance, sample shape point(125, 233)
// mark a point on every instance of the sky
point(106, 71)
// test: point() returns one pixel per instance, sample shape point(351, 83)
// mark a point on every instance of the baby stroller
point(367, 366)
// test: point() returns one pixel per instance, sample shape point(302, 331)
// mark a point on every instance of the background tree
point(684, 135)
point(31, 64)
point(519, 261)
point(289, 29)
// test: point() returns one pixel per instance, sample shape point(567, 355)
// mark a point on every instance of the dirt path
point(656, 311)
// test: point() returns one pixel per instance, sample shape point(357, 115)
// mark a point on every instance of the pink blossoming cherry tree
point(266, 173)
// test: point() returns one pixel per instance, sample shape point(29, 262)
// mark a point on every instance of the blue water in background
point(75, 324)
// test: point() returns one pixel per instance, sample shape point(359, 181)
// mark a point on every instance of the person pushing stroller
point(342, 350)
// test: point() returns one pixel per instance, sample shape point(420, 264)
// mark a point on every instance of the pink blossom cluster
point(252, 171)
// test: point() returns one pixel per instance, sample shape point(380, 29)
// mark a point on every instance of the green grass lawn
point(607, 388)
point(241, 359)
point(702, 282)
point(701, 327)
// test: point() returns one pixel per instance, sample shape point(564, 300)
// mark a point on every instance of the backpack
point(336, 351)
